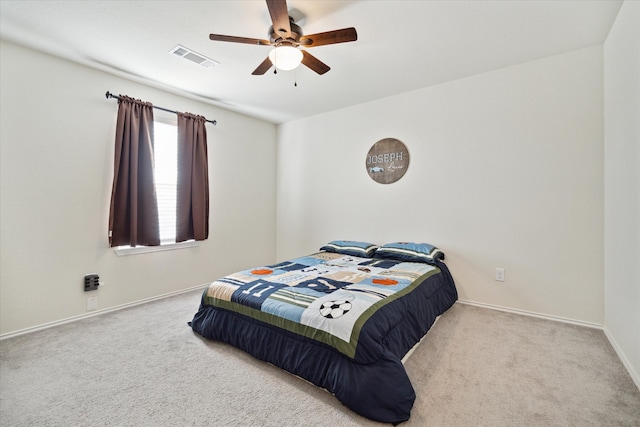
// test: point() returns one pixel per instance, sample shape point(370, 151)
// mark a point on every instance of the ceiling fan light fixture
point(285, 57)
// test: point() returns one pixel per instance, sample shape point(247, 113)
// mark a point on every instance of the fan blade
point(234, 39)
point(280, 17)
point(263, 68)
point(314, 63)
point(330, 37)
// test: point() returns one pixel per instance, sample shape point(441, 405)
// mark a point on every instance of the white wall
point(622, 185)
point(506, 171)
point(57, 138)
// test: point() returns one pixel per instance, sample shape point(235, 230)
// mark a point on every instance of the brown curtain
point(192, 214)
point(133, 217)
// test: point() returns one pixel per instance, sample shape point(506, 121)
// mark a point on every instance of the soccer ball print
point(334, 309)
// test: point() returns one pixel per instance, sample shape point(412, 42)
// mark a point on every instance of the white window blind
point(166, 177)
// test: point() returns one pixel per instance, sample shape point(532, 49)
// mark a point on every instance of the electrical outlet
point(500, 274)
point(92, 303)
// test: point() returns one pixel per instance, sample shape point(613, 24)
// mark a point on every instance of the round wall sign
point(387, 161)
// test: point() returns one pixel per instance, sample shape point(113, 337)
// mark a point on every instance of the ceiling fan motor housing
point(278, 37)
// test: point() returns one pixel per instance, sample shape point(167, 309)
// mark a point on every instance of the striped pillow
point(410, 252)
point(351, 247)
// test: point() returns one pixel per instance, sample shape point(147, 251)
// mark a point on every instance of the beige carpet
point(143, 366)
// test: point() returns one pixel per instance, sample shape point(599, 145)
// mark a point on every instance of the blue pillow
point(351, 247)
point(410, 252)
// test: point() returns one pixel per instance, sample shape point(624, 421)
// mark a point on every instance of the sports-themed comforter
point(339, 321)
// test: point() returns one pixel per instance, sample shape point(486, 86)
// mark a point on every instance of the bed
point(341, 318)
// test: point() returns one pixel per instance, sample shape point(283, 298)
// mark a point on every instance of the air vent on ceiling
point(192, 56)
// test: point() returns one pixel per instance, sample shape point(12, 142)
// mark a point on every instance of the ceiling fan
point(285, 36)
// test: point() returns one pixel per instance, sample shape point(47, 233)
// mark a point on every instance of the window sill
point(127, 250)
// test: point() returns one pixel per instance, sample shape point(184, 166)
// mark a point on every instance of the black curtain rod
point(110, 95)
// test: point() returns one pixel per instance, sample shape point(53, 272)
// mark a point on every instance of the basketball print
point(334, 309)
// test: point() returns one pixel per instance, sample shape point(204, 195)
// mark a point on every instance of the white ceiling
point(401, 46)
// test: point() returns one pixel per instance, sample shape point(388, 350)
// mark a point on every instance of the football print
point(334, 309)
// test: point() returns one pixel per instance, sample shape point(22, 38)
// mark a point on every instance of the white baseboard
point(96, 313)
point(532, 314)
point(634, 375)
point(610, 338)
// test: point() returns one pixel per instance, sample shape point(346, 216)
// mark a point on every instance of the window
point(166, 177)
point(133, 212)
point(165, 155)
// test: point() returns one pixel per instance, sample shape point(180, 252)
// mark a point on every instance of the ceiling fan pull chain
point(275, 61)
